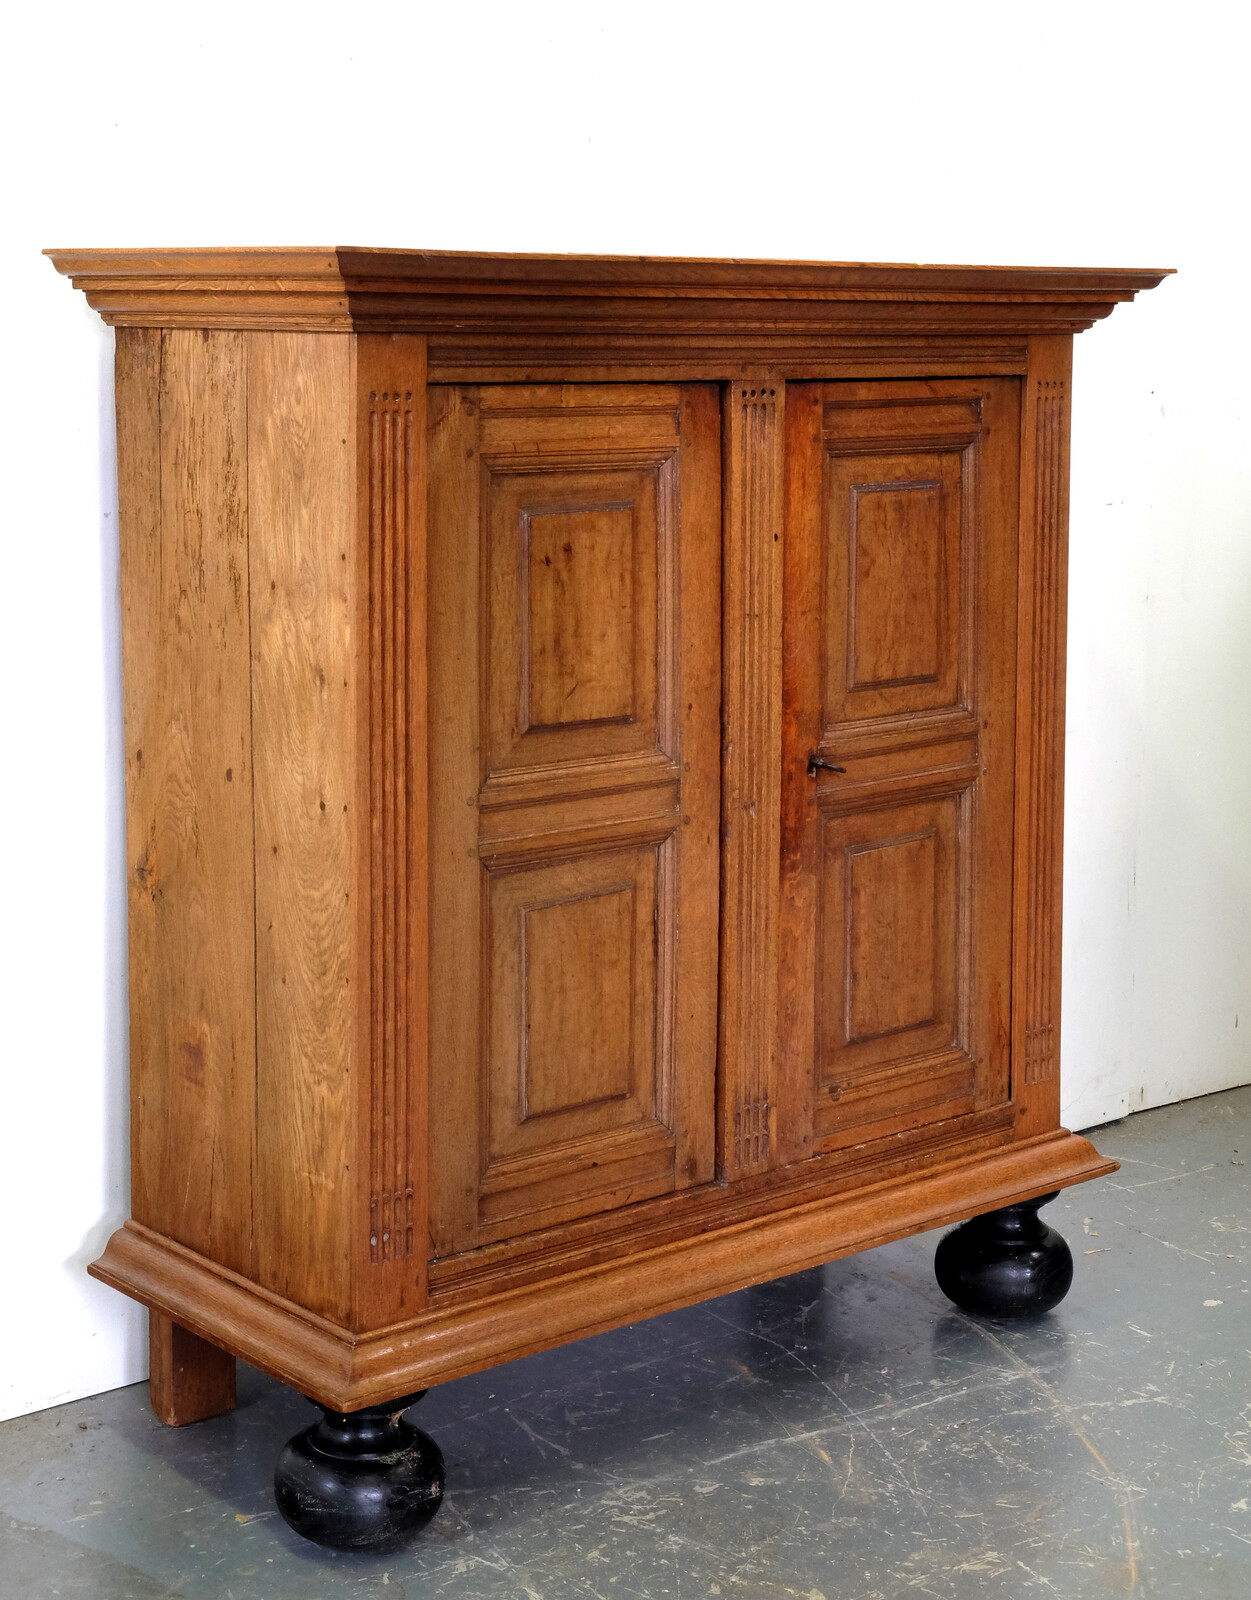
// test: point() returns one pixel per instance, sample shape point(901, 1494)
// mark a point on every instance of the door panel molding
point(575, 583)
point(899, 670)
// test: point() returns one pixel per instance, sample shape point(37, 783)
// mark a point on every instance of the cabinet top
point(534, 312)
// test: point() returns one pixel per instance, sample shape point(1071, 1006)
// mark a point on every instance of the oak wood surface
point(499, 972)
point(900, 661)
point(309, 810)
point(182, 495)
point(456, 986)
point(346, 1370)
point(573, 712)
point(752, 474)
point(189, 1379)
point(389, 1206)
point(493, 318)
point(585, 1242)
point(1041, 633)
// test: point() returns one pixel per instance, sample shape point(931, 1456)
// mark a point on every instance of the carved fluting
point(753, 734)
point(1039, 1053)
point(751, 1134)
point(1049, 426)
point(391, 477)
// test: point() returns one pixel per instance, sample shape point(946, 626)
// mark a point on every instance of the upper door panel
point(581, 525)
point(899, 555)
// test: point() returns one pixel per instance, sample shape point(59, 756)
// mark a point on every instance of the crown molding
point(540, 315)
point(211, 288)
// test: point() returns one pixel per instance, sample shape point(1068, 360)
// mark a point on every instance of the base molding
point(346, 1370)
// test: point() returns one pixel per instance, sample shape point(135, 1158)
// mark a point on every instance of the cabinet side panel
point(1039, 872)
point(182, 490)
point(308, 904)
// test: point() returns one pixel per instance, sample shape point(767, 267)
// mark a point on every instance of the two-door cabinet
point(594, 747)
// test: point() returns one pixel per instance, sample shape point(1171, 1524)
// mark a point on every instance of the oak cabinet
point(594, 737)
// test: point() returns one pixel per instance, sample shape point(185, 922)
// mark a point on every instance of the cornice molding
point(211, 288)
point(531, 315)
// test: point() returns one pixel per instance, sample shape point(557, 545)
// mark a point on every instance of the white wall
point(1067, 134)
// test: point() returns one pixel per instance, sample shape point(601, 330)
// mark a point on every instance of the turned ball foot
point(360, 1480)
point(1007, 1263)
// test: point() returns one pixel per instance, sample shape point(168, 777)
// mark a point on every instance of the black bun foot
point(1007, 1263)
point(360, 1480)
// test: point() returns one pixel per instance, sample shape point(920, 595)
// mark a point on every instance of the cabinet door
point(574, 632)
point(899, 668)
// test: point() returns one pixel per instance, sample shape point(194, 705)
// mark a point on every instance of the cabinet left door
point(574, 709)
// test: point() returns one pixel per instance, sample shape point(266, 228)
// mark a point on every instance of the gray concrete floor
point(843, 1434)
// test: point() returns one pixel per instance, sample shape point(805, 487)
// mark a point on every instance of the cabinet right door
point(899, 672)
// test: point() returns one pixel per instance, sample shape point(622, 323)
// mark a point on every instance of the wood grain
point(697, 862)
point(189, 1379)
point(798, 841)
point(752, 478)
point(896, 897)
point(574, 828)
point(585, 1241)
point(346, 1371)
point(390, 1230)
point(572, 1044)
point(182, 492)
point(310, 811)
point(1042, 600)
point(501, 318)
point(455, 766)
point(574, 660)
point(484, 911)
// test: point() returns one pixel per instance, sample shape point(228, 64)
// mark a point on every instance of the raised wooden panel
point(579, 664)
point(894, 951)
point(581, 566)
point(574, 983)
point(899, 555)
point(574, 570)
point(897, 588)
point(890, 923)
point(898, 678)
point(574, 1057)
point(579, 498)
